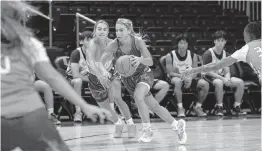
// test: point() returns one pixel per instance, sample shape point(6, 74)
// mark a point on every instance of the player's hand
point(187, 82)
point(226, 82)
point(104, 80)
point(186, 74)
point(94, 112)
point(135, 61)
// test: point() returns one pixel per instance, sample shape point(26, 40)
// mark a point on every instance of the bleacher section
point(162, 22)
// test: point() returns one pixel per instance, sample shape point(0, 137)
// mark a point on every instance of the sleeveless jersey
point(182, 65)
point(83, 65)
point(18, 96)
point(251, 53)
point(134, 51)
point(216, 60)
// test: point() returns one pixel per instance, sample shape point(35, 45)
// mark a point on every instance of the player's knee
point(176, 81)
point(203, 85)
point(238, 83)
point(138, 97)
point(164, 85)
point(77, 82)
point(155, 107)
point(46, 87)
point(218, 84)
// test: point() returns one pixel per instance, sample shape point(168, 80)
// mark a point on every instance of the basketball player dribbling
point(250, 53)
point(138, 85)
point(102, 95)
point(24, 120)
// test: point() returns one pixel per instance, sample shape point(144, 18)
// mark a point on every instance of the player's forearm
point(83, 77)
point(58, 83)
point(215, 75)
point(214, 66)
point(95, 68)
point(147, 61)
point(227, 75)
point(173, 74)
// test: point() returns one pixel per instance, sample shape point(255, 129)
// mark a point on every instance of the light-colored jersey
point(182, 65)
point(251, 53)
point(216, 60)
point(83, 64)
point(18, 96)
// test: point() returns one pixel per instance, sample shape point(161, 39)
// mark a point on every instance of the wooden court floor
point(204, 134)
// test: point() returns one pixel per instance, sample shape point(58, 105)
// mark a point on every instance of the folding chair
point(61, 64)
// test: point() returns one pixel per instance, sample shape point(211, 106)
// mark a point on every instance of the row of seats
point(137, 8)
point(165, 46)
point(170, 20)
point(251, 88)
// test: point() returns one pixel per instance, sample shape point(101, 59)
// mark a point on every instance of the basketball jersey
point(251, 53)
point(216, 60)
point(134, 51)
point(18, 96)
point(182, 65)
point(83, 65)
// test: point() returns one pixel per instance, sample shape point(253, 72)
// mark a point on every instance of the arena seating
point(162, 22)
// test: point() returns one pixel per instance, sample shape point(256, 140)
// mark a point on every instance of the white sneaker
point(181, 112)
point(118, 130)
point(78, 117)
point(54, 119)
point(147, 135)
point(131, 130)
point(181, 131)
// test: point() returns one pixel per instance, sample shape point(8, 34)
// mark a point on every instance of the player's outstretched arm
point(211, 66)
point(47, 72)
point(44, 70)
point(107, 56)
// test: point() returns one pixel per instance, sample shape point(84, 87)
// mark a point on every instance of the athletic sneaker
point(131, 130)
point(54, 119)
point(180, 112)
point(147, 135)
point(219, 111)
point(181, 131)
point(237, 111)
point(118, 130)
point(199, 111)
point(78, 117)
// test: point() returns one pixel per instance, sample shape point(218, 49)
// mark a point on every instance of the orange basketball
point(124, 67)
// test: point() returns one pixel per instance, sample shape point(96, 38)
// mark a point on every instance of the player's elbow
point(150, 61)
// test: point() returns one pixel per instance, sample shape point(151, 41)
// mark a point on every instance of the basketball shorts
point(31, 132)
point(98, 92)
point(210, 80)
point(146, 77)
point(193, 83)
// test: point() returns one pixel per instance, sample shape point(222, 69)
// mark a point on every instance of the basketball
point(124, 67)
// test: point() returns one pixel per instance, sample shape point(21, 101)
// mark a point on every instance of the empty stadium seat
point(202, 45)
point(160, 50)
point(205, 20)
point(79, 9)
point(173, 32)
point(223, 21)
point(194, 33)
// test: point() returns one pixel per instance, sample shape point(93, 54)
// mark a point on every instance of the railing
point(46, 17)
point(77, 25)
point(252, 9)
